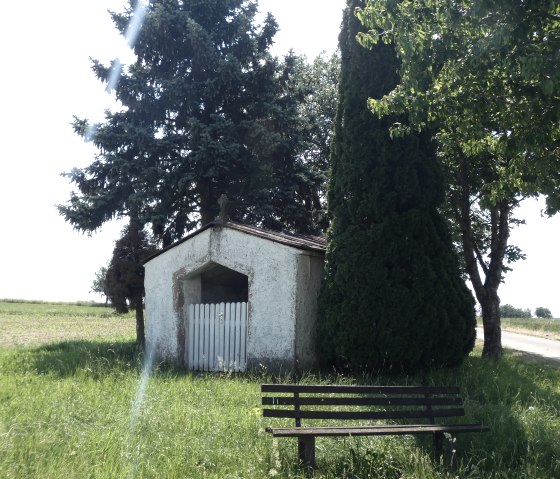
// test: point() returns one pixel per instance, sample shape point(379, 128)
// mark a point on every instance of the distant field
point(27, 323)
point(548, 328)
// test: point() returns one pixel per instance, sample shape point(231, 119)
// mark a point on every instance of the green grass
point(67, 410)
point(33, 323)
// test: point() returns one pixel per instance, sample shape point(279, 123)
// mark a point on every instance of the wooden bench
point(411, 410)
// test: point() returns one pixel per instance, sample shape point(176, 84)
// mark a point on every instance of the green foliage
point(393, 298)
point(509, 311)
point(206, 111)
point(483, 76)
point(485, 72)
point(541, 312)
point(125, 275)
point(124, 278)
point(318, 111)
point(99, 284)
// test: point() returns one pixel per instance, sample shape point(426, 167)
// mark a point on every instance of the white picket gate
point(217, 337)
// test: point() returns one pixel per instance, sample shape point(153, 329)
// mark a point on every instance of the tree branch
point(480, 259)
point(500, 237)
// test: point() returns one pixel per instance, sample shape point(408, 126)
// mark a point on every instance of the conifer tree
point(393, 298)
point(207, 110)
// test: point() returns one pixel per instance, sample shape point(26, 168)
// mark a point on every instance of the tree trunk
point(490, 305)
point(140, 333)
point(486, 290)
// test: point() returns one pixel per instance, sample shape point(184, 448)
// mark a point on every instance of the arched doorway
point(216, 319)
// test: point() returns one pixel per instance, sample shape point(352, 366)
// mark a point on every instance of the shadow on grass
point(517, 398)
point(98, 358)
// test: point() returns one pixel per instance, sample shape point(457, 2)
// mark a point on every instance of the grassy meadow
point(24, 323)
point(74, 404)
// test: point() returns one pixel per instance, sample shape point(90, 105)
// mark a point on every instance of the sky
point(46, 49)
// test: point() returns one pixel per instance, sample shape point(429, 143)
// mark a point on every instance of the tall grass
point(67, 411)
point(539, 326)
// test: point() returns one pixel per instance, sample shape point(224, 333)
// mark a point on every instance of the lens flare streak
point(131, 36)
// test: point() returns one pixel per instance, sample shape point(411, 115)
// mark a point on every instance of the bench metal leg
point(452, 454)
point(438, 445)
point(450, 446)
point(306, 450)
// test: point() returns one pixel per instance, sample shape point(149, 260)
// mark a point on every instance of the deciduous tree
point(99, 284)
point(509, 311)
point(484, 76)
point(125, 274)
point(541, 312)
point(319, 80)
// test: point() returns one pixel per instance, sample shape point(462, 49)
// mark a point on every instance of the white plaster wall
point(272, 272)
point(309, 277)
point(163, 297)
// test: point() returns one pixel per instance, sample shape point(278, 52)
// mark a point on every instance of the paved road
point(546, 348)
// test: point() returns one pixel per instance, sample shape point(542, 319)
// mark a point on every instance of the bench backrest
point(361, 402)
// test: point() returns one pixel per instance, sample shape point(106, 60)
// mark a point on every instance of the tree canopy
point(486, 72)
point(483, 76)
point(206, 111)
point(319, 80)
point(124, 279)
point(542, 312)
point(99, 284)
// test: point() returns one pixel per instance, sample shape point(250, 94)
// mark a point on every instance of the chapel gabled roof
point(312, 243)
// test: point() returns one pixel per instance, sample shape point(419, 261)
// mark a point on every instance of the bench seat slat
point(382, 430)
point(356, 415)
point(342, 389)
point(361, 401)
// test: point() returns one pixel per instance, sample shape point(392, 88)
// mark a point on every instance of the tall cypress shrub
point(393, 298)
